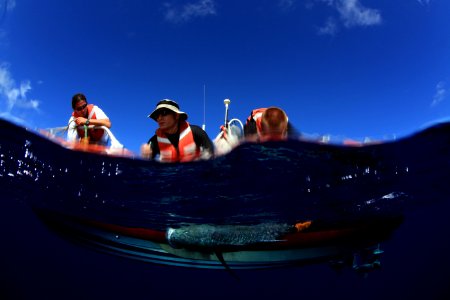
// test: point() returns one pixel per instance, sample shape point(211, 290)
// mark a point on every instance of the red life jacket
point(187, 149)
point(94, 134)
point(256, 115)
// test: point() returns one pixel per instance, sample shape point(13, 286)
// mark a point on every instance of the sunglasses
point(163, 112)
point(81, 107)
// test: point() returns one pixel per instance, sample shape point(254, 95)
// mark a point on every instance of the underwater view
point(126, 170)
point(84, 225)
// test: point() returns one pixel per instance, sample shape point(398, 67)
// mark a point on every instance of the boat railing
point(61, 132)
point(234, 133)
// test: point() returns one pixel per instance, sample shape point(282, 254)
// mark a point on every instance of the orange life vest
point(256, 115)
point(94, 134)
point(187, 149)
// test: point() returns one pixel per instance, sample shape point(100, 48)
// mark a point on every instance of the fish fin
point(219, 256)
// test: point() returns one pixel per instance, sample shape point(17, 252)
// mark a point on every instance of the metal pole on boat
point(226, 102)
point(204, 107)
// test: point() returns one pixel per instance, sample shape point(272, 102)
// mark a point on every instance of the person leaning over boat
point(176, 140)
point(266, 124)
point(87, 114)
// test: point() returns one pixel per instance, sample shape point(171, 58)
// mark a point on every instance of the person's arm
point(203, 141)
point(250, 128)
point(250, 131)
point(101, 118)
point(100, 122)
point(146, 151)
point(150, 149)
point(154, 145)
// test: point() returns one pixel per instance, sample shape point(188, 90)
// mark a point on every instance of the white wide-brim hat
point(169, 104)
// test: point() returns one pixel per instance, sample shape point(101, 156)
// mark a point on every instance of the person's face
point(167, 120)
point(80, 108)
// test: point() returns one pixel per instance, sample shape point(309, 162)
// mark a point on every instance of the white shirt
point(72, 134)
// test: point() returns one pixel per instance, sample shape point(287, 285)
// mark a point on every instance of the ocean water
point(37, 263)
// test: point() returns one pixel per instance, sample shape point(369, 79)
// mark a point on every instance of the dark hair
point(77, 98)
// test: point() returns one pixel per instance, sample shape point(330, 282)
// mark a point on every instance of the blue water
point(37, 263)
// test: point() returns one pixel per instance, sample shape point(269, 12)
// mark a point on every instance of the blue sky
point(348, 68)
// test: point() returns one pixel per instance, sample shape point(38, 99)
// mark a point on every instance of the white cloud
point(330, 27)
point(12, 96)
point(440, 94)
point(201, 8)
point(353, 13)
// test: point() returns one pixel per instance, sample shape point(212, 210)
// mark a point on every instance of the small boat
point(224, 246)
point(260, 205)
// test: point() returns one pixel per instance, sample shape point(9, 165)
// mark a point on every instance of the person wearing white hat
point(175, 139)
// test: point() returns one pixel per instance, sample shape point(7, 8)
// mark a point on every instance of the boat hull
point(152, 246)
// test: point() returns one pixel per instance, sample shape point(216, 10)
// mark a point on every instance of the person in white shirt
point(83, 115)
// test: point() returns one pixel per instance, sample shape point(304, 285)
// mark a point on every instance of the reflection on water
point(253, 184)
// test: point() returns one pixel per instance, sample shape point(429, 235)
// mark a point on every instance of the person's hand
point(224, 132)
point(146, 151)
point(80, 121)
point(205, 154)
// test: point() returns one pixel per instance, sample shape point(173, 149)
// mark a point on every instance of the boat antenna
point(204, 107)
point(226, 102)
